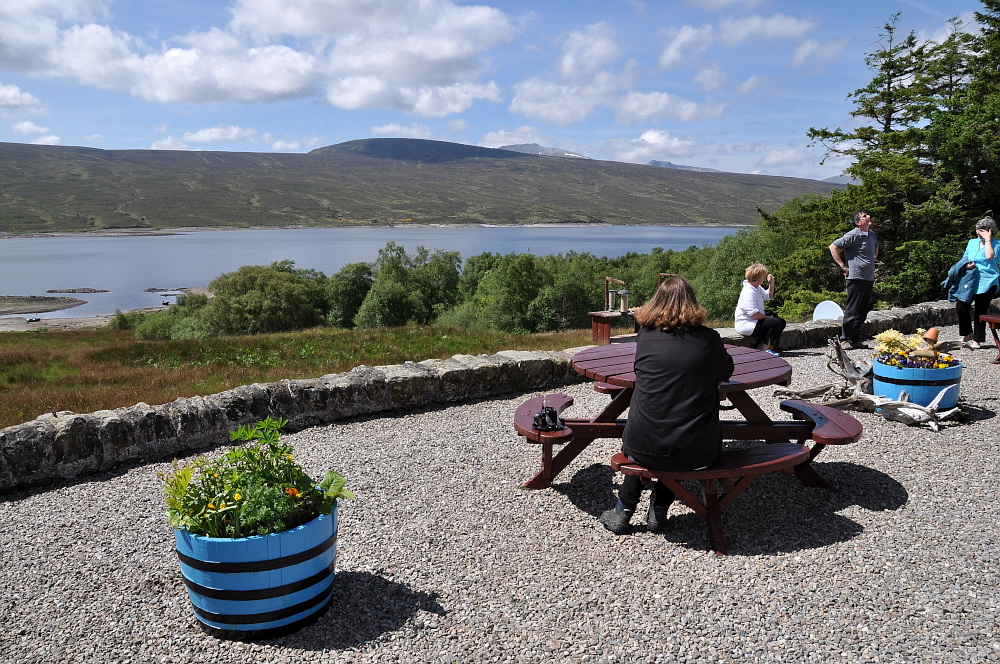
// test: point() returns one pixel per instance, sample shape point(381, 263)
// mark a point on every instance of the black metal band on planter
point(266, 617)
point(258, 565)
point(259, 593)
point(921, 383)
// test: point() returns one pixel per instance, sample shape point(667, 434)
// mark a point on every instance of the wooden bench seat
point(524, 419)
point(735, 470)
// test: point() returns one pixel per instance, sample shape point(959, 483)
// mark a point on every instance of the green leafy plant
point(254, 489)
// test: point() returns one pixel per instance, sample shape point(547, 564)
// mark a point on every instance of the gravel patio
point(444, 558)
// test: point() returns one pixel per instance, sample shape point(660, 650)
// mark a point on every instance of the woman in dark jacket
point(673, 420)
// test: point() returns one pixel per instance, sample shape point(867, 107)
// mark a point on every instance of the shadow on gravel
point(976, 413)
point(592, 489)
point(776, 514)
point(363, 608)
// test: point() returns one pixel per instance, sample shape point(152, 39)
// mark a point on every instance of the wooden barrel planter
point(923, 385)
point(263, 586)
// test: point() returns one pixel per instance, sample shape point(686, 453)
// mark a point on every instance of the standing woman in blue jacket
point(981, 253)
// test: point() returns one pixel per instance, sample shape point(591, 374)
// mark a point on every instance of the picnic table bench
point(735, 470)
point(610, 367)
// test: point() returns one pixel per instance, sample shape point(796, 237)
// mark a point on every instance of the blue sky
point(726, 84)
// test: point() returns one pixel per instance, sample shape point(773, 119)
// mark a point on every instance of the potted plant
point(911, 364)
point(256, 536)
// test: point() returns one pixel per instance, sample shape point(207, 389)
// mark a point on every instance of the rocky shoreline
point(36, 304)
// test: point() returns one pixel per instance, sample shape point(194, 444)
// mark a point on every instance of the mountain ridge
point(70, 189)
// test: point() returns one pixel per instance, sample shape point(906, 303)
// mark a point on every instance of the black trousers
point(969, 313)
point(769, 330)
point(631, 492)
point(859, 303)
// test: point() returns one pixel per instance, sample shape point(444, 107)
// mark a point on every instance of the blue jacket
point(962, 282)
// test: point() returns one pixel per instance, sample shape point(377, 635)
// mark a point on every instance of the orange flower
point(292, 491)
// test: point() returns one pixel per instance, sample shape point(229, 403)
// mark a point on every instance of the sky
point(733, 85)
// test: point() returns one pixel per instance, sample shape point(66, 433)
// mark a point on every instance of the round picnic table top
point(615, 364)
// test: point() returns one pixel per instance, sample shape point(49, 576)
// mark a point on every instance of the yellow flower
point(289, 457)
point(237, 496)
point(222, 506)
point(211, 506)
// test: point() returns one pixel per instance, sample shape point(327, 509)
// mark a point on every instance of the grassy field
point(86, 371)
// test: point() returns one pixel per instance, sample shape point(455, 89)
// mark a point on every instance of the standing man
point(860, 250)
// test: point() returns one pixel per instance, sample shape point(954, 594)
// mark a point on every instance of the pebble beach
point(444, 558)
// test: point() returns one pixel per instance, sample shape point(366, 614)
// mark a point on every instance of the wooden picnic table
point(993, 321)
point(612, 367)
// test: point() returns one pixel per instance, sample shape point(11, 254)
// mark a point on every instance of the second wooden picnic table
point(612, 367)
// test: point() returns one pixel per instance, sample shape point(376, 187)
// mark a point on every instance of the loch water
point(126, 266)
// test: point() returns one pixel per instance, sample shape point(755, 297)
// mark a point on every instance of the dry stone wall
point(66, 445)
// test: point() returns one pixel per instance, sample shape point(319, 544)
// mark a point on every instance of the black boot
point(616, 519)
point(656, 518)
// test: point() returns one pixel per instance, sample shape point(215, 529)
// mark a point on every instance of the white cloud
point(169, 143)
point(421, 56)
point(779, 158)
point(413, 131)
point(727, 5)
point(221, 133)
point(653, 144)
point(11, 96)
point(521, 135)
point(560, 103)
point(285, 146)
point(458, 124)
point(564, 103)
point(643, 107)
point(685, 43)
point(585, 52)
point(812, 49)
point(711, 77)
point(46, 140)
point(750, 85)
point(767, 28)
point(438, 102)
point(353, 93)
point(27, 127)
point(356, 92)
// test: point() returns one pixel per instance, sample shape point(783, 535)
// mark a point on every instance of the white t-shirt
point(751, 301)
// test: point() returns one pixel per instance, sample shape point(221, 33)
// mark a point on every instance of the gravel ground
point(443, 558)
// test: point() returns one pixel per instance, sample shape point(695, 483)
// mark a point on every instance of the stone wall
point(65, 445)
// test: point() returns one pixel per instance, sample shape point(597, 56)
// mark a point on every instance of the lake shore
point(132, 232)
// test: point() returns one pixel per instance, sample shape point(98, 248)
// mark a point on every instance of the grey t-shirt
point(859, 253)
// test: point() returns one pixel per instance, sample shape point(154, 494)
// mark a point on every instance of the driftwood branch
point(851, 392)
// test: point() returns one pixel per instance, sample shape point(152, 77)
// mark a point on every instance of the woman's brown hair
point(673, 305)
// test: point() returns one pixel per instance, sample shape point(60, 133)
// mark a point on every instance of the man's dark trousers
point(859, 303)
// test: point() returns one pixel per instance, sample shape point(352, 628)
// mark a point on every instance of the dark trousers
point(859, 303)
point(769, 330)
point(969, 313)
point(631, 491)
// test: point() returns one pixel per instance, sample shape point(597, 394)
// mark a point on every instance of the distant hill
point(387, 180)
point(667, 164)
point(841, 179)
point(535, 148)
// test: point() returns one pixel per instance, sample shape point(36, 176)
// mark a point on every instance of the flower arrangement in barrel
point(914, 351)
point(254, 489)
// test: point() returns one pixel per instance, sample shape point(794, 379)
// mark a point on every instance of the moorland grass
point(88, 370)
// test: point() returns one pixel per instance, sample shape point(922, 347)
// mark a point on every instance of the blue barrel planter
point(921, 384)
point(263, 586)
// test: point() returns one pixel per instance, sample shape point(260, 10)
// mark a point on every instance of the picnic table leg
point(996, 340)
point(553, 465)
point(808, 475)
point(716, 531)
point(748, 408)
